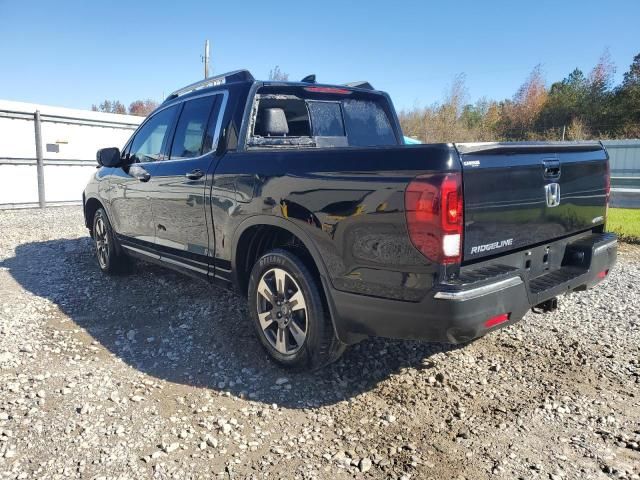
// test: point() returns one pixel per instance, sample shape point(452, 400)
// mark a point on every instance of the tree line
point(579, 107)
point(140, 108)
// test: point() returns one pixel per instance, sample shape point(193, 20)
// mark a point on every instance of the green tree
point(627, 101)
point(632, 77)
point(565, 102)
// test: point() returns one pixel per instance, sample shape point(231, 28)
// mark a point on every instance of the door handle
point(143, 176)
point(195, 174)
point(551, 168)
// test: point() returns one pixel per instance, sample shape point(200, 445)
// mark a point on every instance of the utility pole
point(205, 58)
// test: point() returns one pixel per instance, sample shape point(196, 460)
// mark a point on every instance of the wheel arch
point(251, 227)
point(239, 237)
point(91, 206)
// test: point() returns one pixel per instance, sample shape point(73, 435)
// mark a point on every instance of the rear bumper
point(458, 315)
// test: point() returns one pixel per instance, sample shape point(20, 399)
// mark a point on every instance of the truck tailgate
point(522, 194)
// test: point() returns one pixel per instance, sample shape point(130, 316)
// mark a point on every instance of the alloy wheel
point(282, 311)
point(102, 242)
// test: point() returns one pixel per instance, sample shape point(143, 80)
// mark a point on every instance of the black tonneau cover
point(484, 148)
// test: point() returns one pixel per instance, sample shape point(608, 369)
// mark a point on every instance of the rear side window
point(192, 125)
point(367, 124)
point(326, 119)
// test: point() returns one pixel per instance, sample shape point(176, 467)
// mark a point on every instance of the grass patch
point(625, 222)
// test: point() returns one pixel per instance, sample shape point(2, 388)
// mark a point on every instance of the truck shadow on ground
point(185, 331)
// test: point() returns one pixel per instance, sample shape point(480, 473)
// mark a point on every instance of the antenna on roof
point(309, 79)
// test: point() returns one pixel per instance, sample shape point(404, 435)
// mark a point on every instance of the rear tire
point(289, 314)
point(110, 257)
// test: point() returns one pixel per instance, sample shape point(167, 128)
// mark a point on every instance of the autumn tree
point(598, 109)
point(481, 119)
point(580, 106)
point(454, 119)
point(521, 114)
point(142, 108)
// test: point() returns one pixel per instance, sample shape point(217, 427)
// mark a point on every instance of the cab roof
point(244, 76)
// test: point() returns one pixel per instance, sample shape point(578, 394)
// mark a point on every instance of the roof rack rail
point(360, 84)
point(235, 76)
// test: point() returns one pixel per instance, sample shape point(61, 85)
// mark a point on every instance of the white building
point(69, 140)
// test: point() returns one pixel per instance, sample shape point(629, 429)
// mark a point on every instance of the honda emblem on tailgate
point(552, 191)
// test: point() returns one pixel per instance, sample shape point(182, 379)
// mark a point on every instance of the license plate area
point(553, 268)
point(543, 259)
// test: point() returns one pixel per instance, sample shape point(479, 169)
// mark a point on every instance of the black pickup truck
point(304, 197)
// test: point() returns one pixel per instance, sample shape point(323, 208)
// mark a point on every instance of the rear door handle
point(195, 174)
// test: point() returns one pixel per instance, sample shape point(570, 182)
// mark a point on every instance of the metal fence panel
point(48, 153)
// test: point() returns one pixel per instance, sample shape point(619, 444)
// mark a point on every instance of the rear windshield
point(296, 118)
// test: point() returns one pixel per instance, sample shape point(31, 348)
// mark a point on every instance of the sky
point(77, 53)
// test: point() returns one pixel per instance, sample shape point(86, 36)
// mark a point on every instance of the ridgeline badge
point(491, 246)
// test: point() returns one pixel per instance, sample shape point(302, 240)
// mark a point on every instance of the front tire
point(110, 258)
point(289, 315)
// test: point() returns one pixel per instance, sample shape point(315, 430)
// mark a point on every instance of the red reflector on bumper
point(498, 319)
point(603, 274)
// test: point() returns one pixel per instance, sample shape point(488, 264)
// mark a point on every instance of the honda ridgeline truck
point(304, 197)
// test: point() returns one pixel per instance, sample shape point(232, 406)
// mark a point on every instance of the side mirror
point(109, 157)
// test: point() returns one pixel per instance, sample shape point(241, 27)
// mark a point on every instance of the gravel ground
point(156, 375)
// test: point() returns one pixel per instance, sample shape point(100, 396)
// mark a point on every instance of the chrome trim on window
point(479, 291)
point(217, 132)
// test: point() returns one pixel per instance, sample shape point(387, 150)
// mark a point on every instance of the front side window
point(148, 144)
point(190, 130)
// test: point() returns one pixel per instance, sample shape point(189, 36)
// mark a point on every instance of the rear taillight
point(434, 210)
